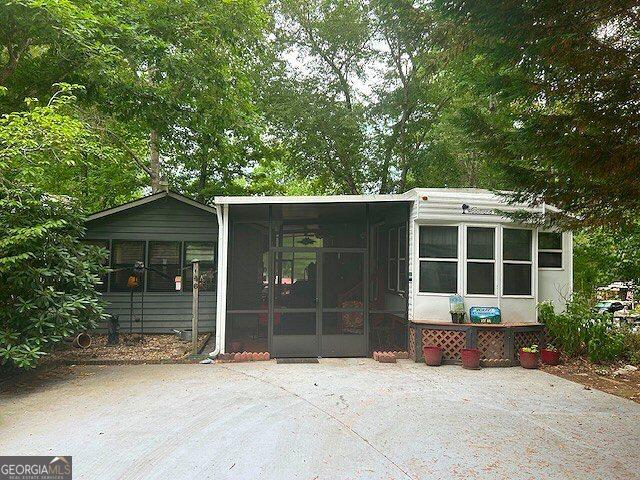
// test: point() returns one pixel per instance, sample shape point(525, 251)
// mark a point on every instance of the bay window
point(438, 257)
point(517, 268)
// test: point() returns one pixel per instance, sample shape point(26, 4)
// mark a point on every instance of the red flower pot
point(550, 357)
point(432, 355)
point(470, 358)
point(529, 360)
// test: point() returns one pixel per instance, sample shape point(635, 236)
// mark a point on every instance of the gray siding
point(164, 219)
point(162, 311)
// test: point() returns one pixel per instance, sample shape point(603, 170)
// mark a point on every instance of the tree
point(557, 94)
point(47, 275)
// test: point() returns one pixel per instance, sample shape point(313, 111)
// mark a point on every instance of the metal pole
point(194, 308)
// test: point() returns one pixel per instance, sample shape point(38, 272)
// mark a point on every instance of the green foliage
point(579, 330)
point(47, 275)
point(531, 349)
point(632, 346)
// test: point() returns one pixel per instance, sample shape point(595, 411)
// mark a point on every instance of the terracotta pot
point(550, 357)
point(432, 355)
point(529, 360)
point(470, 358)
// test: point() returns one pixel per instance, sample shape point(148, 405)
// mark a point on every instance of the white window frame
point(468, 260)
point(402, 238)
point(534, 255)
point(552, 250)
point(455, 259)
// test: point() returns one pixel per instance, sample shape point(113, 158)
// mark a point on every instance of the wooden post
point(194, 308)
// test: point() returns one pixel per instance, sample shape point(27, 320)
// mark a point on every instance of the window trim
point(494, 261)
point(455, 260)
point(552, 250)
point(534, 256)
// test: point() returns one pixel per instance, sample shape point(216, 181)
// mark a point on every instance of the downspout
point(222, 282)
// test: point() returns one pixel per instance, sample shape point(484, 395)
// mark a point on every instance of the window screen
point(124, 255)
point(206, 253)
point(436, 244)
point(481, 257)
point(550, 250)
point(517, 263)
point(164, 266)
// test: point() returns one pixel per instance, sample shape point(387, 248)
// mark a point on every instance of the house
point(332, 275)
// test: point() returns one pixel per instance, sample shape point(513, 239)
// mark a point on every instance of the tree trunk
point(154, 162)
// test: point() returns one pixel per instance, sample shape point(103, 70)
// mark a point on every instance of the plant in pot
point(529, 356)
point(470, 358)
point(432, 355)
point(456, 308)
point(550, 355)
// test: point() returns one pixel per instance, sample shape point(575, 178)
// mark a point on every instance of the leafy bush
point(579, 330)
point(632, 346)
point(47, 275)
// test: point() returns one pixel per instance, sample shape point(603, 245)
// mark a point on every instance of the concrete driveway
point(340, 419)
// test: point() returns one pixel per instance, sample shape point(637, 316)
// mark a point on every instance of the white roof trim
point(246, 200)
point(149, 199)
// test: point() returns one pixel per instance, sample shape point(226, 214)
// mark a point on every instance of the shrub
point(632, 345)
point(47, 275)
point(579, 330)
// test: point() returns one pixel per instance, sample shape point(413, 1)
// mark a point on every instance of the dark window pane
point(295, 280)
point(480, 278)
point(343, 280)
point(549, 240)
point(550, 259)
point(402, 242)
point(246, 332)
point(480, 243)
point(438, 242)
point(517, 244)
point(123, 258)
point(343, 323)
point(517, 279)
point(248, 269)
point(288, 323)
point(438, 277)
point(164, 266)
point(206, 253)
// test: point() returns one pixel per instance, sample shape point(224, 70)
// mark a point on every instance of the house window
point(124, 255)
point(392, 268)
point(205, 252)
point(164, 266)
point(104, 279)
point(481, 261)
point(517, 261)
point(550, 250)
point(438, 257)
point(402, 258)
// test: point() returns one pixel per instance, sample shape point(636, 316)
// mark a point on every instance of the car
point(609, 306)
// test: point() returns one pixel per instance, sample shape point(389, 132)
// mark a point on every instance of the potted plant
point(529, 356)
point(550, 355)
point(470, 358)
point(432, 355)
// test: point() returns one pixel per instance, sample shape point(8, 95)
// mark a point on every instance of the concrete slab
point(352, 418)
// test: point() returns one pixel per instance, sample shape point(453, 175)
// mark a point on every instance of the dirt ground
point(132, 347)
point(612, 379)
